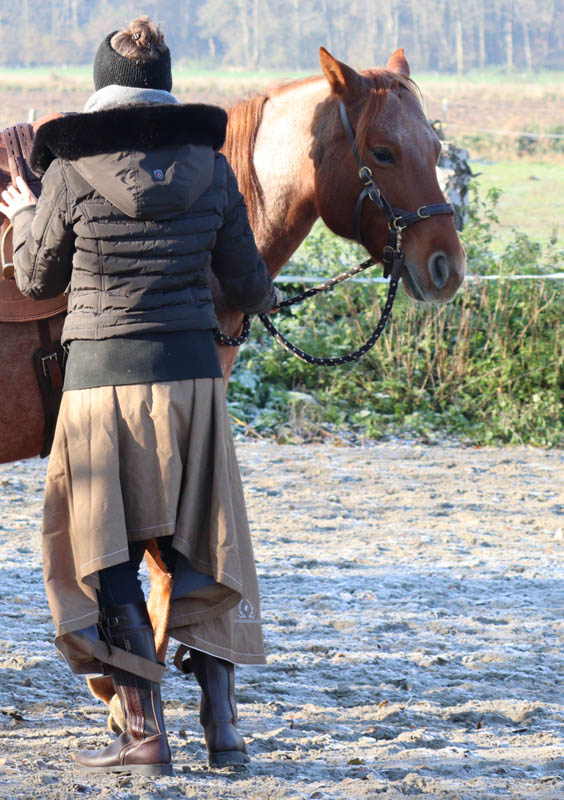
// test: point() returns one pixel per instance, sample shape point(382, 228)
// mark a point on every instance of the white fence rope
point(551, 276)
point(528, 134)
point(307, 279)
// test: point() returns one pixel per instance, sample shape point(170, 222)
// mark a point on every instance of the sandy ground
point(413, 604)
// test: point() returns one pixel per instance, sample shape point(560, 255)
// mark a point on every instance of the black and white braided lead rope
point(347, 358)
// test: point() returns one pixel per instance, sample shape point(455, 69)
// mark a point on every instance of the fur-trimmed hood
point(136, 127)
point(150, 161)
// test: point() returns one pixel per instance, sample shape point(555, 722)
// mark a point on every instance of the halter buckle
point(365, 175)
point(396, 225)
point(375, 195)
point(420, 214)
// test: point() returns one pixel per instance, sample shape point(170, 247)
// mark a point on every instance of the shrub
point(487, 368)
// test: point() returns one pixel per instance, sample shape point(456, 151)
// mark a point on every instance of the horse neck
point(285, 171)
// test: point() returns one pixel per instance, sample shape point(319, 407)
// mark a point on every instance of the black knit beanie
point(112, 68)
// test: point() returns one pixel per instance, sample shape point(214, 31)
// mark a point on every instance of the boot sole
point(231, 758)
point(133, 769)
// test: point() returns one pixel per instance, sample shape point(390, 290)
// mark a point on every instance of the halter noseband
point(398, 218)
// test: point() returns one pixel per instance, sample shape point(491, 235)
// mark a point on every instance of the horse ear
point(397, 62)
point(342, 79)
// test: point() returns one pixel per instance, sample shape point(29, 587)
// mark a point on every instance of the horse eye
point(383, 156)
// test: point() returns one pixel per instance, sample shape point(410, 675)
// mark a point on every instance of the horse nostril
point(439, 270)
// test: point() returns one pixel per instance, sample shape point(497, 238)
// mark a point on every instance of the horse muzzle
point(438, 280)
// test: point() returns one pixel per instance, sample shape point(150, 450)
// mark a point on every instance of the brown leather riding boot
point(218, 711)
point(142, 748)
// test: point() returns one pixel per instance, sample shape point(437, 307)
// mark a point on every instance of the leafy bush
point(530, 144)
point(557, 144)
point(487, 368)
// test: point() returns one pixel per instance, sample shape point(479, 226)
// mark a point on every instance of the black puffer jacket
point(136, 206)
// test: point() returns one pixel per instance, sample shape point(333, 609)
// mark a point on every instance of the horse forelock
point(380, 83)
point(365, 106)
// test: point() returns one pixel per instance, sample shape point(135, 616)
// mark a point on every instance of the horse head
point(391, 136)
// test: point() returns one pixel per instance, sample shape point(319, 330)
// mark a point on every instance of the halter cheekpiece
point(398, 218)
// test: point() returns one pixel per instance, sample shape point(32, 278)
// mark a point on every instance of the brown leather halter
point(398, 218)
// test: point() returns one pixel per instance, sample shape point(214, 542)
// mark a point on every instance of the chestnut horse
point(294, 164)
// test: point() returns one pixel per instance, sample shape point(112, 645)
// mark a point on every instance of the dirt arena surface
point(413, 601)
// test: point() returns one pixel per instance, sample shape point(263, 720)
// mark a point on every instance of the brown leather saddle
point(15, 149)
point(14, 307)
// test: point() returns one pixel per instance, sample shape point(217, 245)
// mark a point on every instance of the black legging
point(120, 584)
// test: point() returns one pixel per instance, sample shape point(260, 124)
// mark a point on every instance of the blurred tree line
point(445, 35)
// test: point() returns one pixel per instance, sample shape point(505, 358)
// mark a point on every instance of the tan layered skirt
point(134, 463)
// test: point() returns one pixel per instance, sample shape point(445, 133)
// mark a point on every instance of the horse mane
point(239, 148)
point(246, 116)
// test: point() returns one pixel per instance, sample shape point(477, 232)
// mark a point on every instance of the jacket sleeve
point(44, 240)
point(236, 262)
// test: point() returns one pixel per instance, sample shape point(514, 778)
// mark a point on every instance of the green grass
point(531, 201)
point(41, 75)
point(182, 71)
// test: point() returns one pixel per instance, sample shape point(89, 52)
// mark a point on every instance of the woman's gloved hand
point(277, 300)
point(16, 197)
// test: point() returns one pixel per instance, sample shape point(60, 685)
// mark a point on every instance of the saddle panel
point(15, 149)
point(15, 307)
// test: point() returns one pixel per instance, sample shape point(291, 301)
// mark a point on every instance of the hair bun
point(142, 39)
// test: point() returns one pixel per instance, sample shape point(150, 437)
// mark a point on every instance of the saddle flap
point(14, 307)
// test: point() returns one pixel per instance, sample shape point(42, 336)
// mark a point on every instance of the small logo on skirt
point(158, 175)
point(246, 612)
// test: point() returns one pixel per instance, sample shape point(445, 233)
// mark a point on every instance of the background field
point(478, 101)
point(532, 197)
point(488, 100)
point(486, 369)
